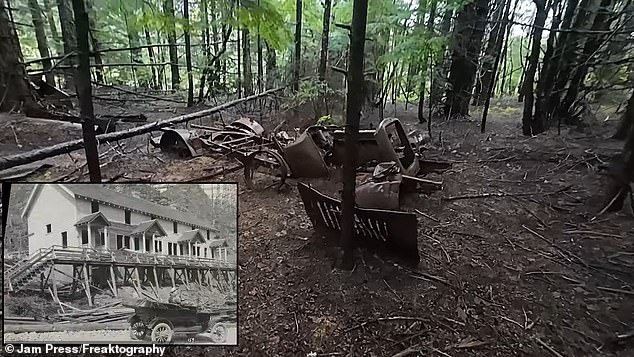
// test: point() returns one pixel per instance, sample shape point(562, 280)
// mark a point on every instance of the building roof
point(145, 226)
point(91, 218)
point(189, 236)
point(123, 227)
point(101, 194)
point(213, 243)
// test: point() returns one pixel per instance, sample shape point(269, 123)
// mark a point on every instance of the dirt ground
point(525, 270)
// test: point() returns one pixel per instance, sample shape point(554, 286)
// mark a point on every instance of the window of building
point(119, 241)
point(128, 216)
point(198, 251)
point(169, 248)
point(181, 249)
point(48, 228)
point(208, 234)
point(160, 246)
point(136, 243)
point(84, 237)
point(64, 239)
point(102, 239)
point(175, 227)
point(94, 207)
point(205, 252)
point(127, 242)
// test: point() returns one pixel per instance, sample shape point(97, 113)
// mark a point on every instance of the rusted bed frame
point(392, 232)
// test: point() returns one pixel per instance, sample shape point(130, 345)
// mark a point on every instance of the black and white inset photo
point(120, 263)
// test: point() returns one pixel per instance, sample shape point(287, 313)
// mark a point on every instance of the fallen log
point(69, 146)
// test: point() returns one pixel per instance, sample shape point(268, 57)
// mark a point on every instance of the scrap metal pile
point(387, 152)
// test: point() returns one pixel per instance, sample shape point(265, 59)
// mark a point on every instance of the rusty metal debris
point(310, 155)
point(394, 232)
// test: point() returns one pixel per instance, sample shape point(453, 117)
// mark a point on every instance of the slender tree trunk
point(490, 53)
point(133, 36)
point(355, 99)
point(205, 38)
point(496, 63)
point(464, 60)
point(40, 36)
point(547, 75)
point(168, 10)
point(623, 168)
point(239, 58)
point(68, 36)
point(530, 124)
point(298, 44)
point(150, 53)
point(421, 96)
point(271, 64)
point(247, 83)
point(325, 35)
point(14, 88)
point(188, 56)
point(260, 65)
point(440, 68)
point(601, 23)
point(84, 91)
point(57, 41)
point(92, 21)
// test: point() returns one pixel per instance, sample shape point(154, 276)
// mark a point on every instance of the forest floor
point(524, 272)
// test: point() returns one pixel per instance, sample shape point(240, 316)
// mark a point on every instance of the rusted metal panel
point(388, 231)
point(406, 159)
point(304, 158)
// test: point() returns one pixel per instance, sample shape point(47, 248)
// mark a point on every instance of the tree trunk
point(168, 10)
point(68, 37)
point(247, 83)
point(325, 35)
point(497, 30)
point(40, 36)
point(421, 96)
point(601, 23)
point(84, 91)
point(467, 41)
point(150, 53)
point(355, 99)
point(14, 88)
point(188, 56)
point(627, 122)
point(260, 64)
point(271, 64)
point(239, 58)
point(205, 40)
point(298, 44)
point(547, 74)
point(623, 169)
point(530, 124)
point(48, 7)
point(439, 76)
point(92, 21)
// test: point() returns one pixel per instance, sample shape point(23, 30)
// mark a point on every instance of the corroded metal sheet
point(388, 231)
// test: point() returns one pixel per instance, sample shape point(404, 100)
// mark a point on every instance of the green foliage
point(325, 120)
point(265, 18)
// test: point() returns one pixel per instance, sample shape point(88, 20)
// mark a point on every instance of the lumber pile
point(108, 313)
point(204, 298)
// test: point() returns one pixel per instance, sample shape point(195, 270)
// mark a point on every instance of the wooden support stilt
point(87, 285)
point(156, 280)
point(186, 272)
point(73, 285)
point(113, 277)
point(54, 282)
point(173, 277)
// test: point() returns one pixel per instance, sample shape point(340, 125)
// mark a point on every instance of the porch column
point(89, 235)
point(105, 237)
point(154, 243)
point(143, 243)
point(225, 251)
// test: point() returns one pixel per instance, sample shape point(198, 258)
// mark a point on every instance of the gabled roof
point(213, 243)
point(191, 236)
point(98, 216)
point(145, 226)
point(103, 195)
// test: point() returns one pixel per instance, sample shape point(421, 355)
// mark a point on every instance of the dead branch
point(138, 94)
point(548, 348)
point(505, 194)
point(62, 148)
point(391, 318)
